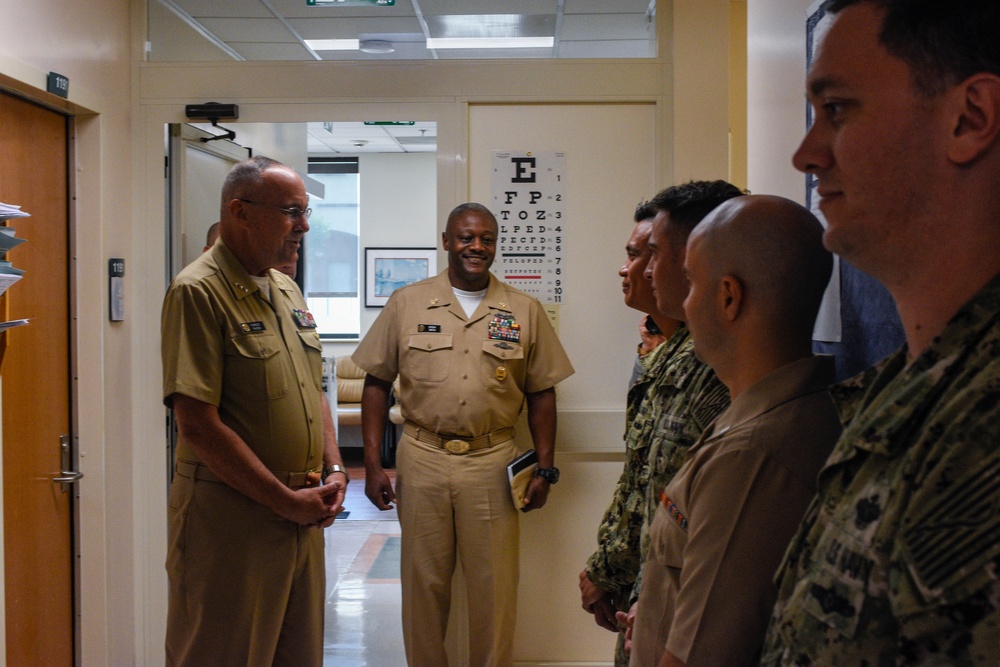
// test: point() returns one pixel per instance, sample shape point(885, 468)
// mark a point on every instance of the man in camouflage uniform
point(898, 560)
point(669, 407)
point(606, 581)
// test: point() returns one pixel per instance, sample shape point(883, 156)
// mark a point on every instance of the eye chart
point(529, 203)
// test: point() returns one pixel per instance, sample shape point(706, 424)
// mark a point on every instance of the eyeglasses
point(292, 211)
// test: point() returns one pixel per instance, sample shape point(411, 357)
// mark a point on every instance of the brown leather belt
point(293, 480)
point(457, 444)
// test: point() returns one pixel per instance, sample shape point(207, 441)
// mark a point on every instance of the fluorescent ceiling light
point(490, 42)
point(332, 44)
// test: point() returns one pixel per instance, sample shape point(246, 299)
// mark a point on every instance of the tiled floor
point(363, 600)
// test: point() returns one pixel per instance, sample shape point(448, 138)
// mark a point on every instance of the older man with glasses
point(258, 471)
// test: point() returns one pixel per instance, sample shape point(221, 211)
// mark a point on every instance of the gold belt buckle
point(313, 478)
point(457, 446)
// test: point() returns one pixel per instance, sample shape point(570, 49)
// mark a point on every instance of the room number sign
point(529, 202)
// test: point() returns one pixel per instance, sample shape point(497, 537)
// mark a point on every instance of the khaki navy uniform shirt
point(727, 516)
point(615, 564)
point(687, 400)
point(260, 363)
point(459, 375)
point(898, 560)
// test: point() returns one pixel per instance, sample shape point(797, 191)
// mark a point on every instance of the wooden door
point(35, 377)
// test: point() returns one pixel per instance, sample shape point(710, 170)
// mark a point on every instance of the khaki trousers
point(457, 506)
point(246, 586)
point(655, 605)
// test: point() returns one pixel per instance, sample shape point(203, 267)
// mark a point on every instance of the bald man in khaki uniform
point(757, 272)
point(258, 472)
point(470, 351)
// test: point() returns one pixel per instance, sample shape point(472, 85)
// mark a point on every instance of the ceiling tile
point(224, 8)
point(271, 51)
point(299, 9)
point(457, 7)
point(492, 25)
point(606, 26)
point(249, 30)
point(352, 28)
point(245, 23)
point(606, 6)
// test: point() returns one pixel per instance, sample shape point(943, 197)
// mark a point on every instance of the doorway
point(39, 549)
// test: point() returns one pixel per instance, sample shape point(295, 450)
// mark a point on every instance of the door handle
point(67, 476)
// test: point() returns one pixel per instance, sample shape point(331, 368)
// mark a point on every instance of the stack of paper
point(7, 270)
point(9, 274)
point(10, 325)
point(9, 211)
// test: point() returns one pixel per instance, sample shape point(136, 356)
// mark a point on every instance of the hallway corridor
point(363, 595)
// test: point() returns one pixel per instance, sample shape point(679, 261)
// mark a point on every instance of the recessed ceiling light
point(332, 44)
point(376, 46)
point(490, 42)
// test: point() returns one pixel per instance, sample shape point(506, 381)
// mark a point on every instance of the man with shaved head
point(757, 271)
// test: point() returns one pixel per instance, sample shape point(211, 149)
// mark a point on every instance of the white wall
point(776, 104)
point(398, 207)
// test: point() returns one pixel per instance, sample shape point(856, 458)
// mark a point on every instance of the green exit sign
point(350, 3)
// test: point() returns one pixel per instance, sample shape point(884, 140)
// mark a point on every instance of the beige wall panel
point(700, 56)
point(414, 81)
point(610, 167)
point(552, 627)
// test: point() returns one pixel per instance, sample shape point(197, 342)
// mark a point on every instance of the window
point(331, 249)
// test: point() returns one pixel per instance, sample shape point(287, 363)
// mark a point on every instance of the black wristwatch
point(550, 475)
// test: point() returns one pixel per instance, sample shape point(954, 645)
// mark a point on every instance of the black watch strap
point(550, 475)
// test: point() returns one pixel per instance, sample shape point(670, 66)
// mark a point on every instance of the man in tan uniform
point(757, 272)
point(470, 351)
point(258, 472)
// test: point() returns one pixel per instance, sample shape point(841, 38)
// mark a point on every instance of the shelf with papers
point(9, 274)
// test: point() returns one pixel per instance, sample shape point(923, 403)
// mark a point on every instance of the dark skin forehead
point(468, 218)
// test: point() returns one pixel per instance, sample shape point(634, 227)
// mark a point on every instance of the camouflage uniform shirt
point(898, 559)
point(687, 399)
point(614, 565)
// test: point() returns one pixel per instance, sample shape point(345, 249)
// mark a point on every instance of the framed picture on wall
point(388, 269)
